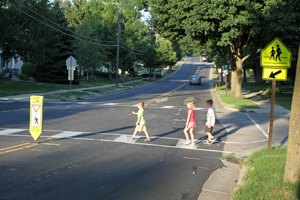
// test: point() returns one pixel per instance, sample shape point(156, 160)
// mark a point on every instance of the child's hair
point(141, 104)
point(191, 104)
point(209, 101)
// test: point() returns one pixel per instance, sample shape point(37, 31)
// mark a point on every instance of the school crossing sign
point(275, 59)
point(276, 55)
point(36, 116)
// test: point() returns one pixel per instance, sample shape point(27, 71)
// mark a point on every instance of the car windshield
point(197, 77)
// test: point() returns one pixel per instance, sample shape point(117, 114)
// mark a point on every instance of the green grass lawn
point(26, 87)
point(264, 177)
point(67, 97)
point(10, 88)
point(284, 100)
point(239, 104)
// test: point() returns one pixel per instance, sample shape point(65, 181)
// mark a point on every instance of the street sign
point(71, 66)
point(219, 70)
point(278, 74)
point(71, 63)
point(36, 116)
point(276, 55)
point(225, 68)
point(71, 74)
point(226, 72)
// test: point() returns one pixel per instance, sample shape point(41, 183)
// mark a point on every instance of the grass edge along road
point(264, 177)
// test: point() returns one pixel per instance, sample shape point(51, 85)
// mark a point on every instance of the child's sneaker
point(131, 138)
point(147, 140)
point(212, 141)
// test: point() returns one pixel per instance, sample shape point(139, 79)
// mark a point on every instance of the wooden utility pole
point(120, 20)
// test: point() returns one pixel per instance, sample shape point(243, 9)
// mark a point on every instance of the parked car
point(195, 80)
point(156, 73)
point(133, 71)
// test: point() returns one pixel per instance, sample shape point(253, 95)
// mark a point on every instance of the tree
point(292, 167)
point(237, 24)
point(165, 54)
point(55, 70)
point(22, 36)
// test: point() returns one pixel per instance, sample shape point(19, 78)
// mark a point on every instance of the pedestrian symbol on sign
point(36, 120)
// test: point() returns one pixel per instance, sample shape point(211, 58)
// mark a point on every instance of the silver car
point(195, 80)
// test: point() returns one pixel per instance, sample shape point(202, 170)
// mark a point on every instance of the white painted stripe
point(134, 105)
point(11, 131)
point(198, 108)
point(83, 102)
point(181, 144)
point(110, 104)
point(66, 134)
point(264, 132)
point(125, 139)
point(168, 107)
point(173, 147)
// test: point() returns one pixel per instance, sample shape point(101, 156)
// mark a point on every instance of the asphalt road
point(84, 153)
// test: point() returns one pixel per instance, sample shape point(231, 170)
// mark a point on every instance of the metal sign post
point(71, 66)
point(275, 58)
point(226, 73)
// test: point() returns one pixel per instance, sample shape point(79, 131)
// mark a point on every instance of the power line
point(73, 31)
point(67, 33)
point(59, 25)
point(58, 29)
point(131, 51)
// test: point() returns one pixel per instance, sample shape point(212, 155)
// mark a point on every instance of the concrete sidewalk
point(246, 132)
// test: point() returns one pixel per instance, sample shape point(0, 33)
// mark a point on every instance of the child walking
point(140, 123)
point(190, 124)
point(209, 125)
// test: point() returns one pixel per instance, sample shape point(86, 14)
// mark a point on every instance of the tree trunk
point(292, 166)
point(257, 69)
point(233, 81)
point(239, 80)
point(233, 71)
point(244, 74)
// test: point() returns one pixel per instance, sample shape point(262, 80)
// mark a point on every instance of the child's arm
point(209, 121)
point(139, 118)
point(134, 113)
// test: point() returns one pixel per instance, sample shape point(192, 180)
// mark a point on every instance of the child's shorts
point(192, 124)
point(140, 127)
point(208, 130)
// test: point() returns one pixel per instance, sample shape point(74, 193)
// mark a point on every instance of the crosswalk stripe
point(181, 144)
point(11, 131)
point(125, 139)
point(66, 134)
point(83, 102)
point(110, 104)
point(168, 107)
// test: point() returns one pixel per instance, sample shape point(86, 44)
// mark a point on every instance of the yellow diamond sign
point(276, 55)
point(278, 74)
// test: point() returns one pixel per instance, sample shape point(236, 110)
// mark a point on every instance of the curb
point(223, 104)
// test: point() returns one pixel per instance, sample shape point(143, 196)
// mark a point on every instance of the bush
point(28, 69)
point(23, 77)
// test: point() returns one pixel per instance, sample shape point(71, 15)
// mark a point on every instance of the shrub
point(28, 69)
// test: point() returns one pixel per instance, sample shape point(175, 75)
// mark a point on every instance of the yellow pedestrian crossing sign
point(36, 116)
point(276, 55)
point(278, 74)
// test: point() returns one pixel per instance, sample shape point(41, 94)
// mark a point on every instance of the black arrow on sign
point(272, 75)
